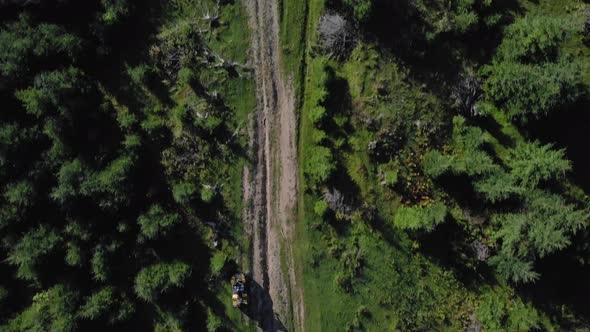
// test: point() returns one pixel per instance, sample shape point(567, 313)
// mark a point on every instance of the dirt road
point(270, 187)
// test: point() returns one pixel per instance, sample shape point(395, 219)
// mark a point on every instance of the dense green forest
point(441, 150)
point(120, 126)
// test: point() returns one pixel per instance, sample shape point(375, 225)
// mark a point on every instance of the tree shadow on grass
point(568, 128)
point(338, 104)
point(450, 246)
point(400, 27)
point(495, 129)
point(563, 282)
point(387, 231)
point(460, 187)
point(342, 182)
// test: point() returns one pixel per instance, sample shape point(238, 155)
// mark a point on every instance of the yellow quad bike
point(239, 290)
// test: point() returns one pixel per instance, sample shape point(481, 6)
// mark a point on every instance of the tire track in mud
point(270, 186)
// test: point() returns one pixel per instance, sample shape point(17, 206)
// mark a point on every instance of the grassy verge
point(292, 15)
point(233, 43)
point(301, 247)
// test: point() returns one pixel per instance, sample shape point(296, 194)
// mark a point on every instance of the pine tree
point(156, 279)
point(498, 186)
point(53, 310)
point(157, 222)
point(535, 38)
point(106, 303)
point(544, 226)
point(69, 179)
point(420, 217)
point(21, 43)
point(532, 90)
point(31, 250)
point(533, 163)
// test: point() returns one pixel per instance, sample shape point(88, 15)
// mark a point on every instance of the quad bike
point(239, 290)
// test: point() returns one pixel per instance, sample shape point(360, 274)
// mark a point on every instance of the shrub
point(391, 178)
point(344, 282)
point(318, 92)
point(183, 192)
point(218, 263)
point(319, 164)
point(360, 8)
point(320, 207)
point(499, 311)
point(139, 74)
point(214, 322)
point(132, 142)
point(464, 20)
point(207, 194)
point(186, 76)
point(317, 114)
point(114, 11)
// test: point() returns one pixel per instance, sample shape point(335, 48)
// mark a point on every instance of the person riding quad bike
point(239, 291)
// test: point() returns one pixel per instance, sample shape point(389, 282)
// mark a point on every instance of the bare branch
point(466, 94)
point(337, 202)
point(336, 35)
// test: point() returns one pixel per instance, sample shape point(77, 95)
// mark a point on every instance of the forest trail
point(270, 186)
